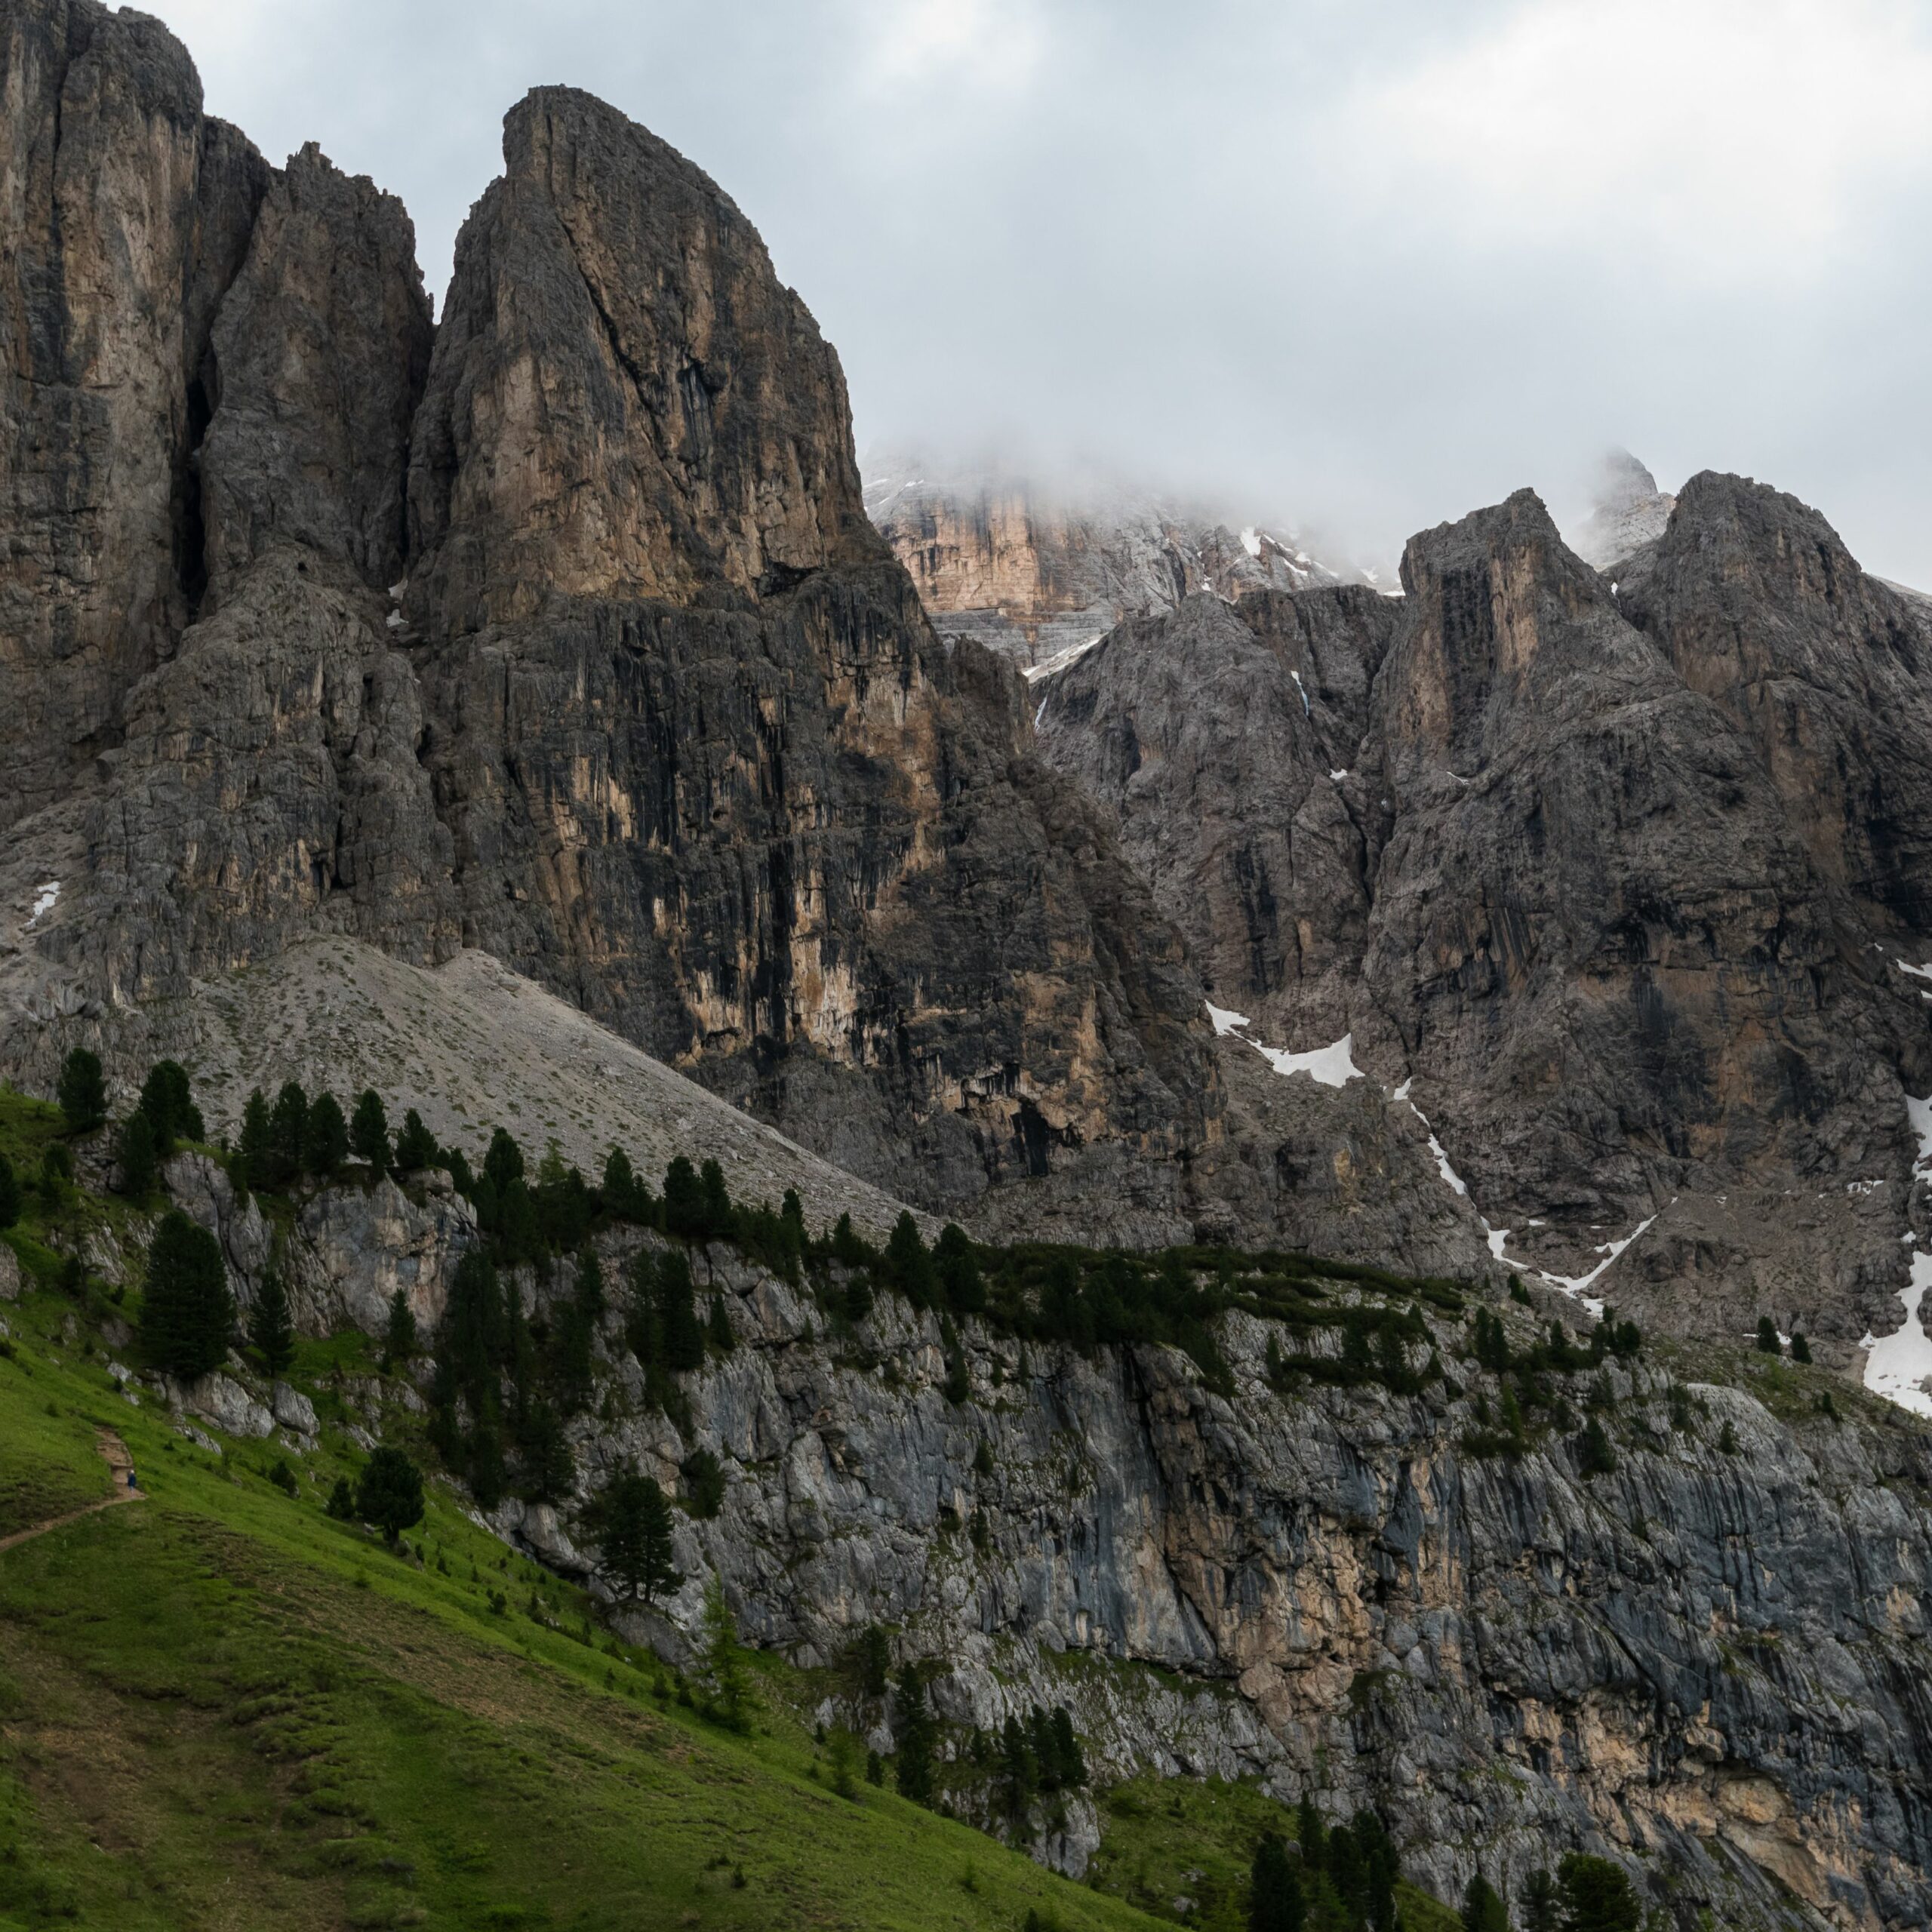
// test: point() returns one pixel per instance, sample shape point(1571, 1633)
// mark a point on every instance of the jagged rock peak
point(690, 427)
point(1629, 511)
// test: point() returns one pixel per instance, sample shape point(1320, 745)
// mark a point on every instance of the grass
point(219, 1708)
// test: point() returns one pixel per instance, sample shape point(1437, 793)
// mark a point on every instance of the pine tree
point(634, 1535)
point(717, 1327)
point(269, 1329)
point(1728, 1440)
point(684, 1200)
point(1596, 1455)
point(730, 1699)
point(1542, 1909)
point(369, 1131)
point(1019, 1771)
point(288, 1133)
point(619, 1186)
point(1312, 1835)
point(1801, 1349)
point(415, 1146)
point(1275, 1902)
point(168, 1104)
point(870, 1661)
point(9, 1194)
point(503, 1161)
point(683, 1340)
point(1069, 1760)
point(1768, 1336)
point(550, 1468)
point(134, 1156)
point(483, 1462)
point(1597, 1895)
point(341, 1504)
point(590, 1296)
point(252, 1142)
point(1483, 1908)
point(389, 1492)
point(399, 1333)
point(187, 1313)
point(914, 1727)
point(962, 1287)
point(324, 1137)
point(82, 1092)
point(908, 1266)
point(719, 1222)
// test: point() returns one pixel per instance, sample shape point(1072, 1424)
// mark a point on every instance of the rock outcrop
point(1038, 573)
point(632, 696)
point(1607, 884)
point(1629, 513)
point(1706, 1661)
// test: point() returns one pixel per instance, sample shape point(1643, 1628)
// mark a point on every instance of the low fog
point(1358, 270)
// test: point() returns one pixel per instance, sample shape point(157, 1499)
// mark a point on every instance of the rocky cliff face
point(1706, 1661)
point(1629, 513)
point(568, 638)
point(1609, 890)
point(1036, 573)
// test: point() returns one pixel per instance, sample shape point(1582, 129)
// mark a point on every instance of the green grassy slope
point(219, 1709)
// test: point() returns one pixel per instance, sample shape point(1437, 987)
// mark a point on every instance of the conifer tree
point(187, 1313)
point(9, 1194)
point(82, 1092)
point(908, 1264)
point(1768, 1336)
point(1276, 1901)
point(1019, 1771)
point(956, 1265)
point(288, 1133)
point(717, 1327)
point(1801, 1348)
point(1311, 1834)
point(550, 1468)
point(134, 1155)
point(252, 1142)
point(1483, 1908)
point(269, 1329)
point(727, 1676)
point(633, 1523)
point(1597, 1895)
point(170, 1106)
point(399, 1333)
point(590, 1296)
point(914, 1731)
point(1543, 1905)
point(719, 1222)
point(324, 1137)
point(1595, 1456)
point(684, 1200)
point(618, 1185)
point(389, 1492)
point(682, 1339)
point(415, 1146)
point(503, 1161)
point(369, 1131)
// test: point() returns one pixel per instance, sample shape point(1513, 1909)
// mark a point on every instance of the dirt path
point(118, 1460)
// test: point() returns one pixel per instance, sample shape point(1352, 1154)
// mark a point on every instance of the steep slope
point(1565, 886)
point(633, 696)
point(1037, 573)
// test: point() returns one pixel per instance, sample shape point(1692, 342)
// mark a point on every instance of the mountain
point(1619, 886)
point(557, 630)
point(1038, 572)
point(1629, 511)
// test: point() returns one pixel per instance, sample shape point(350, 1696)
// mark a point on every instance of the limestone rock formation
point(1038, 573)
point(633, 697)
point(1629, 513)
point(1607, 884)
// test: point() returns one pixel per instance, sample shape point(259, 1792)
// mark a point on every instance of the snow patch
point(1226, 1020)
point(1061, 660)
point(1306, 711)
point(43, 901)
point(1917, 972)
point(1338, 776)
point(1249, 542)
point(1577, 1286)
point(1334, 1066)
point(1897, 1365)
point(1919, 1113)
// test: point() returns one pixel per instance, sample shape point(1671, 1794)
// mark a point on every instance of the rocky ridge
point(1702, 1662)
point(1613, 884)
point(558, 631)
point(1038, 572)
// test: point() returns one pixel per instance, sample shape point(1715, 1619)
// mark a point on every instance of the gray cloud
point(1363, 267)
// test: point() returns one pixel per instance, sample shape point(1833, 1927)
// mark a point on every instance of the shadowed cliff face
point(1603, 893)
point(570, 639)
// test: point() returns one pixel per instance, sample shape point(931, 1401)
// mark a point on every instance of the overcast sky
point(1363, 263)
